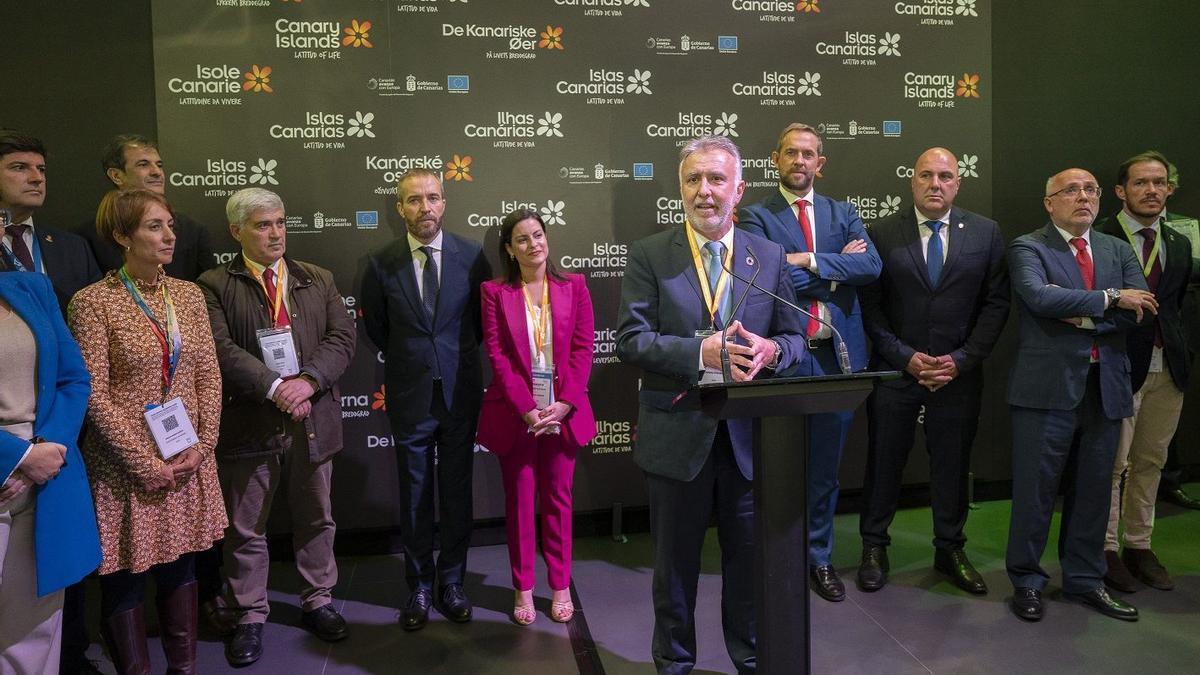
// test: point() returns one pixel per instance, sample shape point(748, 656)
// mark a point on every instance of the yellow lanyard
point(711, 300)
point(541, 323)
point(280, 279)
point(1149, 264)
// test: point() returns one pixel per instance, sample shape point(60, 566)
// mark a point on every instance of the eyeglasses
point(1072, 191)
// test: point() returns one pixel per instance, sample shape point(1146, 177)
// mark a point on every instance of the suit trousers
point(1141, 454)
point(439, 449)
point(679, 516)
point(30, 627)
point(250, 485)
point(542, 469)
point(827, 437)
point(949, 422)
point(1045, 457)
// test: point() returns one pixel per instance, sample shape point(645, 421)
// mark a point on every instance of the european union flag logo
point(727, 44)
point(366, 220)
point(891, 127)
point(643, 170)
point(458, 83)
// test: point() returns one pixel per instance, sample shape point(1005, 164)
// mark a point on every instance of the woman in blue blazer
point(48, 537)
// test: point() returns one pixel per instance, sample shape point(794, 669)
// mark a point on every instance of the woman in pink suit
point(537, 328)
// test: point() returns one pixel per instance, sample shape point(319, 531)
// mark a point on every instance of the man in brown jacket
point(283, 340)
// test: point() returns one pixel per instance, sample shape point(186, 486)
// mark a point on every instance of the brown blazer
point(325, 339)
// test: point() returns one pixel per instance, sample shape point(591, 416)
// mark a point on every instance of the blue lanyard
point(169, 336)
point(35, 251)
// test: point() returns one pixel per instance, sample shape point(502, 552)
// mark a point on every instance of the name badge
point(543, 387)
point(278, 350)
point(172, 430)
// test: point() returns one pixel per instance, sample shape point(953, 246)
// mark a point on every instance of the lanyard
point(711, 301)
point(171, 353)
point(541, 322)
point(35, 252)
point(273, 304)
point(1149, 264)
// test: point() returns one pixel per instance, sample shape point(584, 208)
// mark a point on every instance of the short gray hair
point(706, 143)
point(244, 203)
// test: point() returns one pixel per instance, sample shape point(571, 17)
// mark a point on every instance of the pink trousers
point(543, 468)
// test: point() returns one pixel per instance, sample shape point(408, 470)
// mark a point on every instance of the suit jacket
point(193, 251)
point(66, 542)
point(661, 308)
point(1053, 357)
point(962, 316)
point(69, 263)
point(412, 343)
point(837, 224)
point(324, 335)
point(506, 339)
point(1172, 287)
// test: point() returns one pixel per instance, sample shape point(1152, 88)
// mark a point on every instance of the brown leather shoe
point(1118, 577)
point(1144, 566)
point(125, 634)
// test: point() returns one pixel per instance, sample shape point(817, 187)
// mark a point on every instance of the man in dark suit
point(1159, 361)
point(64, 257)
point(420, 300)
point(675, 301)
point(935, 313)
point(132, 162)
point(1077, 292)
point(829, 257)
point(67, 259)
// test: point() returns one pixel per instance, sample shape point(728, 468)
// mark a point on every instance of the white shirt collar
point(1133, 225)
point(701, 240)
point(791, 197)
point(922, 218)
point(1067, 236)
point(414, 243)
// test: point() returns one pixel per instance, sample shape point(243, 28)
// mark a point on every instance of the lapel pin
point(750, 261)
point(960, 226)
point(49, 239)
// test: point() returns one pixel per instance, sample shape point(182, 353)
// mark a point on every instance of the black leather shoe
point(325, 623)
point(216, 619)
point(245, 647)
point(1144, 566)
point(1180, 498)
point(826, 583)
point(954, 564)
point(415, 614)
point(1117, 576)
point(455, 605)
point(1099, 600)
point(1027, 604)
point(873, 570)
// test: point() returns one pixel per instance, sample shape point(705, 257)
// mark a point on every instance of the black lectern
point(778, 407)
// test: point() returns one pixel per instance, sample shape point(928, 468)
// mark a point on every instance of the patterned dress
point(140, 528)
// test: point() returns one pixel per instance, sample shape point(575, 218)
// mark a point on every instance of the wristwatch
point(778, 354)
point(1113, 295)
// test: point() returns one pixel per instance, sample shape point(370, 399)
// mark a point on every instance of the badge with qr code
point(172, 430)
point(278, 350)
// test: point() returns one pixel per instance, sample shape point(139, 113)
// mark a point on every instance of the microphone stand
point(840, 344)
point(726, 366)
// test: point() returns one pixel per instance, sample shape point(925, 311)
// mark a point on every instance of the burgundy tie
point(281, 316)
point(1152, 279)
point(1089, 275)
point(19, 249)
point(806, 230)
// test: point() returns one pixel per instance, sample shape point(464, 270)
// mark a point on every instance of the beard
point(796, 183)
point(425, 229)
point(711, 225)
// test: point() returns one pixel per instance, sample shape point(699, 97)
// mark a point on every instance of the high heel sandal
point(562, 611)
point(523, 615)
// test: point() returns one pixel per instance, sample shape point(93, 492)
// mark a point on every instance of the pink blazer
point(506, 339)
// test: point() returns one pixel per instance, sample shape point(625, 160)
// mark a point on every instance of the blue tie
point(716, 252)
point(933, 254)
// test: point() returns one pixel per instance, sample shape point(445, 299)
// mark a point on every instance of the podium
point(779, 408)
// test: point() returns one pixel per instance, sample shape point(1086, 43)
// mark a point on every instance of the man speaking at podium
point(677, 298)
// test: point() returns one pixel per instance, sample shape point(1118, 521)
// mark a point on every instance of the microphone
point(726, 367)
point(840, 344)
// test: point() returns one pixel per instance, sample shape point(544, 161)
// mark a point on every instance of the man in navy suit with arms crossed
point(676, 298)
point(1077, 292)
point(829, 256)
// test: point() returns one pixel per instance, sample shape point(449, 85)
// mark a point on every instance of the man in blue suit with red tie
point(1077, 293)
point(829, 257)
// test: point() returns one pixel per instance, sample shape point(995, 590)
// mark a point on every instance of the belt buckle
point(815, 343)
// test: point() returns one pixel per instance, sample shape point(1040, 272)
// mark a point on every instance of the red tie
point(1088, 273)
point(281, 315)
point(1152, 279)
point(806, 229)
point(19, 249)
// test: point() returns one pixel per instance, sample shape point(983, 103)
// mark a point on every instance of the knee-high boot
point(125, 634)
point(177, 619)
